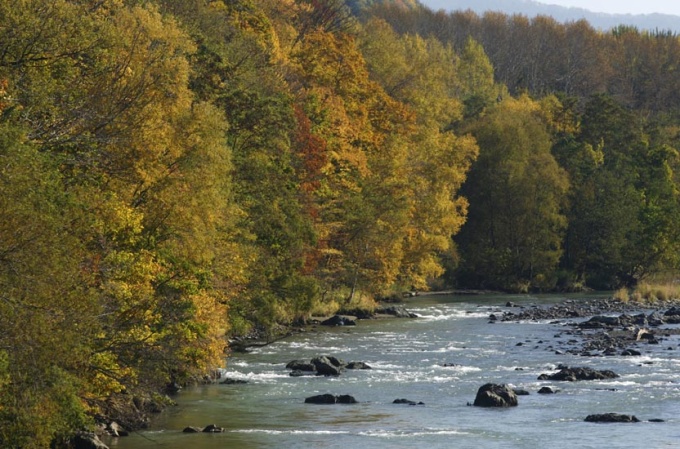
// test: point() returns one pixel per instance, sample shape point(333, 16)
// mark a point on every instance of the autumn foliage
point(174, 173)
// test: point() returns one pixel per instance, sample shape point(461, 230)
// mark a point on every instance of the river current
point(440, 359)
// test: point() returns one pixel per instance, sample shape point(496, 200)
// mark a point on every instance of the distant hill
point(652, 22)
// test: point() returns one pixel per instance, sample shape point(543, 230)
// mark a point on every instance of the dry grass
point(650, 293)
point(622, 295)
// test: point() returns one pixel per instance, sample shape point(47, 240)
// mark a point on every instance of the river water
point(407, 357)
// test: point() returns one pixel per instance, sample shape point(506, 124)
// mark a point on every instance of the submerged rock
point(611, 417)
point(330, 399)
point(396, 311)
point(407, 402)
point(357, 365)
point(574, 374)
point(232, 381)
point(546, 390)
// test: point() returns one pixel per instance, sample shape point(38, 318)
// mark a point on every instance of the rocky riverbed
point(599, 327)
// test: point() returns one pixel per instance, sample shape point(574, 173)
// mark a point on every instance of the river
point(408, 358)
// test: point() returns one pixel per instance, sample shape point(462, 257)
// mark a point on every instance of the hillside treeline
point(174, 172)
point(542, 56)
point(610, 123)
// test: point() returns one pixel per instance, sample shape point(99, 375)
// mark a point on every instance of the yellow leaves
point(109, 377)
point(211, 316)
point(121, 223)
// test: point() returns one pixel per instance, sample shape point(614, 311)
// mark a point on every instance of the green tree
point(624, 198)
point(43, 339)
point(512, 239)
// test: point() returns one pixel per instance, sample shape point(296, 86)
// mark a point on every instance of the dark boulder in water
point(339, 320)
point(574, 374)
point(494, 395)
point(611, 418)
point(546, 390)
point(331, 399)
point(407, 402)
point(300, 365)
point(327, 366)
point(631, 352)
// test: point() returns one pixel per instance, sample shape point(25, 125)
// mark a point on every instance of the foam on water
point(270, 376)
point(410, 434)
point(449, 314)
point(291, 432)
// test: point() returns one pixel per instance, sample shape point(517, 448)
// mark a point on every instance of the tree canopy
point(174, 174)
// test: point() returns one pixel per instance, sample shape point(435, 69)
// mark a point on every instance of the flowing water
point(408, 358)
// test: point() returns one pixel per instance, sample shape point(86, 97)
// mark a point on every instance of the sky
point(622, 6)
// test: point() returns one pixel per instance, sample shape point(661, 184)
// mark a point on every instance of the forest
point(176, 173)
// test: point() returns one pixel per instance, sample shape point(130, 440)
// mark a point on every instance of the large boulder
point(327, 366)
point(300, 365)
point(574, 374)
point(611, 417)
point(672, 315)
point(494, 395)
point(345, 399)
point(655, 319)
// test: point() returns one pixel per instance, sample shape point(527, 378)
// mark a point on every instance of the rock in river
point(574, 374)
point(339, 320)
point(357, 365)
point(331, 399)
point(494, 395)
point(611, 417)
point(407, 402)
point(327, 366)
